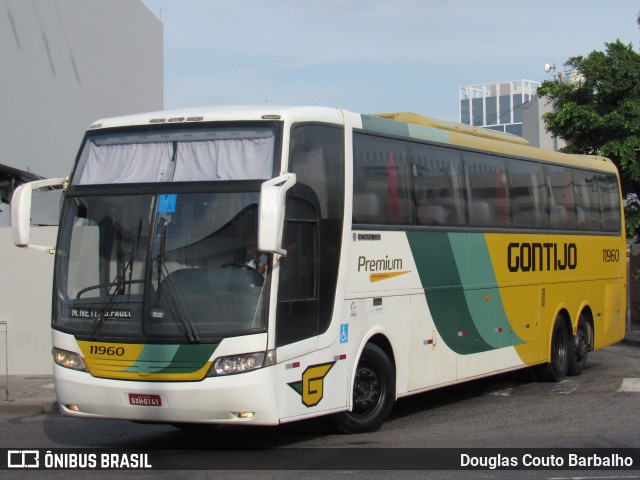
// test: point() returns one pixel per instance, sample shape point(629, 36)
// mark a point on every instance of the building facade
point(497, 106)
point(533, 127)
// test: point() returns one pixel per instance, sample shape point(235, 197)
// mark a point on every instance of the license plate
point(145, 400)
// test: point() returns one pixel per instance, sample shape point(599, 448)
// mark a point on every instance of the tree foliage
point(597, 109)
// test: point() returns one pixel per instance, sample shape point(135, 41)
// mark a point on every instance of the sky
point(373, 56)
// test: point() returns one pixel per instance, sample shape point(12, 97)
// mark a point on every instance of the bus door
point(301, 369)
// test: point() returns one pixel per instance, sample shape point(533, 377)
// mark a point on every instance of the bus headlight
point(68, 359)
point(242, 363)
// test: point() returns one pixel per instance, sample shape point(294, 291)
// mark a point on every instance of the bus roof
point(223, 113)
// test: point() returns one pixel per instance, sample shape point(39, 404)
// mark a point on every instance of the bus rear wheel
point(374, 391)
point(561, 350)
point(580, 347)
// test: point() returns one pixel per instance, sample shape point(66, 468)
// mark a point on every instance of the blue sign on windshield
point(167, 203)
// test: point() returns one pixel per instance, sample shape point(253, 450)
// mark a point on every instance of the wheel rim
point(560, 348)
point(367, 391)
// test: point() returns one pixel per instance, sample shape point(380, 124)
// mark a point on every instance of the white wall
point(63, 64)
point(26, 279)
point(5, 215)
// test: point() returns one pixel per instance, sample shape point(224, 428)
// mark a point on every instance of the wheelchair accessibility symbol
point(344, 333)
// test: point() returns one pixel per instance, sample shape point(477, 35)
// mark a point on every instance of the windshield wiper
point(119, 281)
point(118, 284)
point(105, 306)
point(180, 310)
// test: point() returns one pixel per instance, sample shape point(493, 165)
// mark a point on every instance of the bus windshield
point(182, 266)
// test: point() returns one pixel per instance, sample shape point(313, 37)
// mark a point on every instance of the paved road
point(599, 409)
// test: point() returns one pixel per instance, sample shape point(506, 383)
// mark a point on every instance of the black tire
point(374, 392)
point(561, 350)
point(580, 347)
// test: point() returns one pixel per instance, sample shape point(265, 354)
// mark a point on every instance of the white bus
point(262, 265)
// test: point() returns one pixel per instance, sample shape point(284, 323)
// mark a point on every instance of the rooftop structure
point(497, 106)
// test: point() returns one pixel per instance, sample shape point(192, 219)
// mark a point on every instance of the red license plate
point(145, 400)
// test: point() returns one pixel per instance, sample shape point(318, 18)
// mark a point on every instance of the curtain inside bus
point(153, 162)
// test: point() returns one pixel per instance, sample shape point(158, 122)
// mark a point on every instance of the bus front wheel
point(557, 368)
point(374, 391)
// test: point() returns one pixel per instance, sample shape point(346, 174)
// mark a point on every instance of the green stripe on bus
point(464, 302)
point(484, 300)
point(190, 358)
point(392, 127)
point(173, 358)
point(382, 125)
point(429, 134)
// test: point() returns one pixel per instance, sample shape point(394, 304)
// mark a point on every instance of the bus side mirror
point(21, 212)
point(273, 194)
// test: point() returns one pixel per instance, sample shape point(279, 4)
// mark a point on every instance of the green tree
point(597, 111)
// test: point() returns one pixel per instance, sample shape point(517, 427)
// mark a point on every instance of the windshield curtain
point(238, 153)
point(179, 266)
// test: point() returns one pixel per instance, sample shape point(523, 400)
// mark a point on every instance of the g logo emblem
point(311, 387)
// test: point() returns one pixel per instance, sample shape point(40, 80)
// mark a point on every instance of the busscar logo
point(23, 459)
point(311, 387)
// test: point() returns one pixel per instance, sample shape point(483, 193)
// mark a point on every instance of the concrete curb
point(27, 395)
point(21, 408)
point(632, 341)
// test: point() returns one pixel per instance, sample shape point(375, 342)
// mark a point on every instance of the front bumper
point(243, 398)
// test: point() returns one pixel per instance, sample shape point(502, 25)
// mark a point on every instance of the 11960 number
point(104, 350)
point(610, 255)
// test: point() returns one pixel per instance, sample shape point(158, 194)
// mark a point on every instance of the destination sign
point(116, 313)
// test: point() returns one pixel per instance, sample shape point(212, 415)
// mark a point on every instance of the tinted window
point(317, 158)
point(610, 201)
point(438, 179)
point(561, 202)
point(488, 198)
point(465, 111)
point(477, 112)
point(381, 190)
point(585, 194)
point(408, 183)
point(492, 110)
point(297, 315)
point(528, 195)
point(505, 108)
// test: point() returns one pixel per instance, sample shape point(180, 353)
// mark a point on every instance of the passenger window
point(528, 195)
point(488, 199)
point(438, 179)
point(610, 201)
point(381, 187)
point(561, 203)
point(585, 194)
